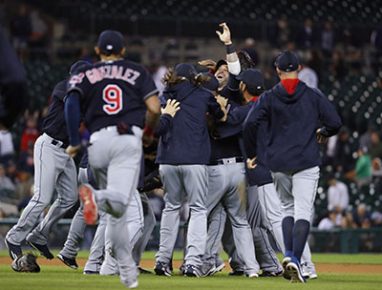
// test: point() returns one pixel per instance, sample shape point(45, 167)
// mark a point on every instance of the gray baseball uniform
point(54, 170)
point(261, 231)
point(96, 256)
point(184, 182)
point(224, 186)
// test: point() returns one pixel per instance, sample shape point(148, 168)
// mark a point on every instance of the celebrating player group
point(245, 160)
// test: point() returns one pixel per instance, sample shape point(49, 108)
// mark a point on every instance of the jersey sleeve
point(328, 116)
point(147, 86)
point(80, 83)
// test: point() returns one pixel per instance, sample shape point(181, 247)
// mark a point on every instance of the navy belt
point(57, 143)
point(226, 161)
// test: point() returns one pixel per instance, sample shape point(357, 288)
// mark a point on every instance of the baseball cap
point(75, 66)
point(220, 63)
point(185, 70)
point(111, 42)
point(287, 61)
point(252, 78)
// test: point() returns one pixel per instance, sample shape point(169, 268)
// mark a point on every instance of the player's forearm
point(73, 117)
point(232, 59)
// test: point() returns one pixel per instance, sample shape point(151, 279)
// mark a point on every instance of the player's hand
point(172, 106)
point(73, 150)
point(224, 36)
point(221, 101)
point(209, 63)
point(251, 163)
point(321, 139)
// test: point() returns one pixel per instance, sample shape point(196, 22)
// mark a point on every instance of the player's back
point(113, 92)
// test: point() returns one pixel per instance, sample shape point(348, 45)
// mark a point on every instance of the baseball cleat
point(43, 249)
point(214, 269)
point(144, 271)
point(308, 271)
point(88, 272)
point(13, 250)
point(90, 205)
point(71, 263)
point(271, 274)
point(236, 273)
point(162, 269)
point(284, 264)
point(252, 275)
point(294, 270)
point(192, 271)
point(131, 285)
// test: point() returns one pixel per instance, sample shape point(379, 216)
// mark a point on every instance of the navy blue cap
point(287, 61)
point(75, 66)
point(185, 70)
point(111, 42)
point(212, 84)
point(220, 63)
point(252, 78)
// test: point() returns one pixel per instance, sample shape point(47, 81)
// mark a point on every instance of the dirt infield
point(321, 267)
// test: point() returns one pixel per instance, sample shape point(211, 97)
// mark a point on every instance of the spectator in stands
point(306, 36)
point(338, 195)
point(363, 168)
point(361, 216)
point(337, 67)
point(39, 38)
point(347, 221)
point(329, 222)
point(21, 29)
point(26, 163)
point(25, 200)
point(375, 146)
point(6, 146)
point(6, 184)
point(308, 76)
point(376, 218)
point(343, 158)
point(365, 140)
point(30, 134)
point(376, 41)
point(327, 39)
point(280, 34)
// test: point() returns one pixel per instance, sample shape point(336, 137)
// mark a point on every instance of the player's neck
point(113, 57)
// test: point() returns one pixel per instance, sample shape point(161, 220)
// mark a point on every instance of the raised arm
point(232, 58)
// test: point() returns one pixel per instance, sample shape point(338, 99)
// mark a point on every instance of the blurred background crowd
point(339, 42)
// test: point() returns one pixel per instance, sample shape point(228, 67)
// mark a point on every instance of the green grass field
point(63, 278)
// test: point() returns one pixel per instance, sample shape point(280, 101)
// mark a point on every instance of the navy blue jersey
point(292, 121)
point(54, 123)
point(184, 138)
point(113, 92)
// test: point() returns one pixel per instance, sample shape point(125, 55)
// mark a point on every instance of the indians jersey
point(113, 92)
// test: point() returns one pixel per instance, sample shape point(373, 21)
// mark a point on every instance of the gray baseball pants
point(227, 185)
point(296, 193)
point(184, 182)
point(54, 170)
point(115, 160)
point(261, 231)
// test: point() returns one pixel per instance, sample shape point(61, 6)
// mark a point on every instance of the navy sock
point(300, 235)
point(287, 225)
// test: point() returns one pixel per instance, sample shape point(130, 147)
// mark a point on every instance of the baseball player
point(97, 254)
point(293, 113)
point(183, 152)
point(261, 190)
point(113, 96)
point(54, 170)
point(12, 84)
point(229, 143)
point(225, 176)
